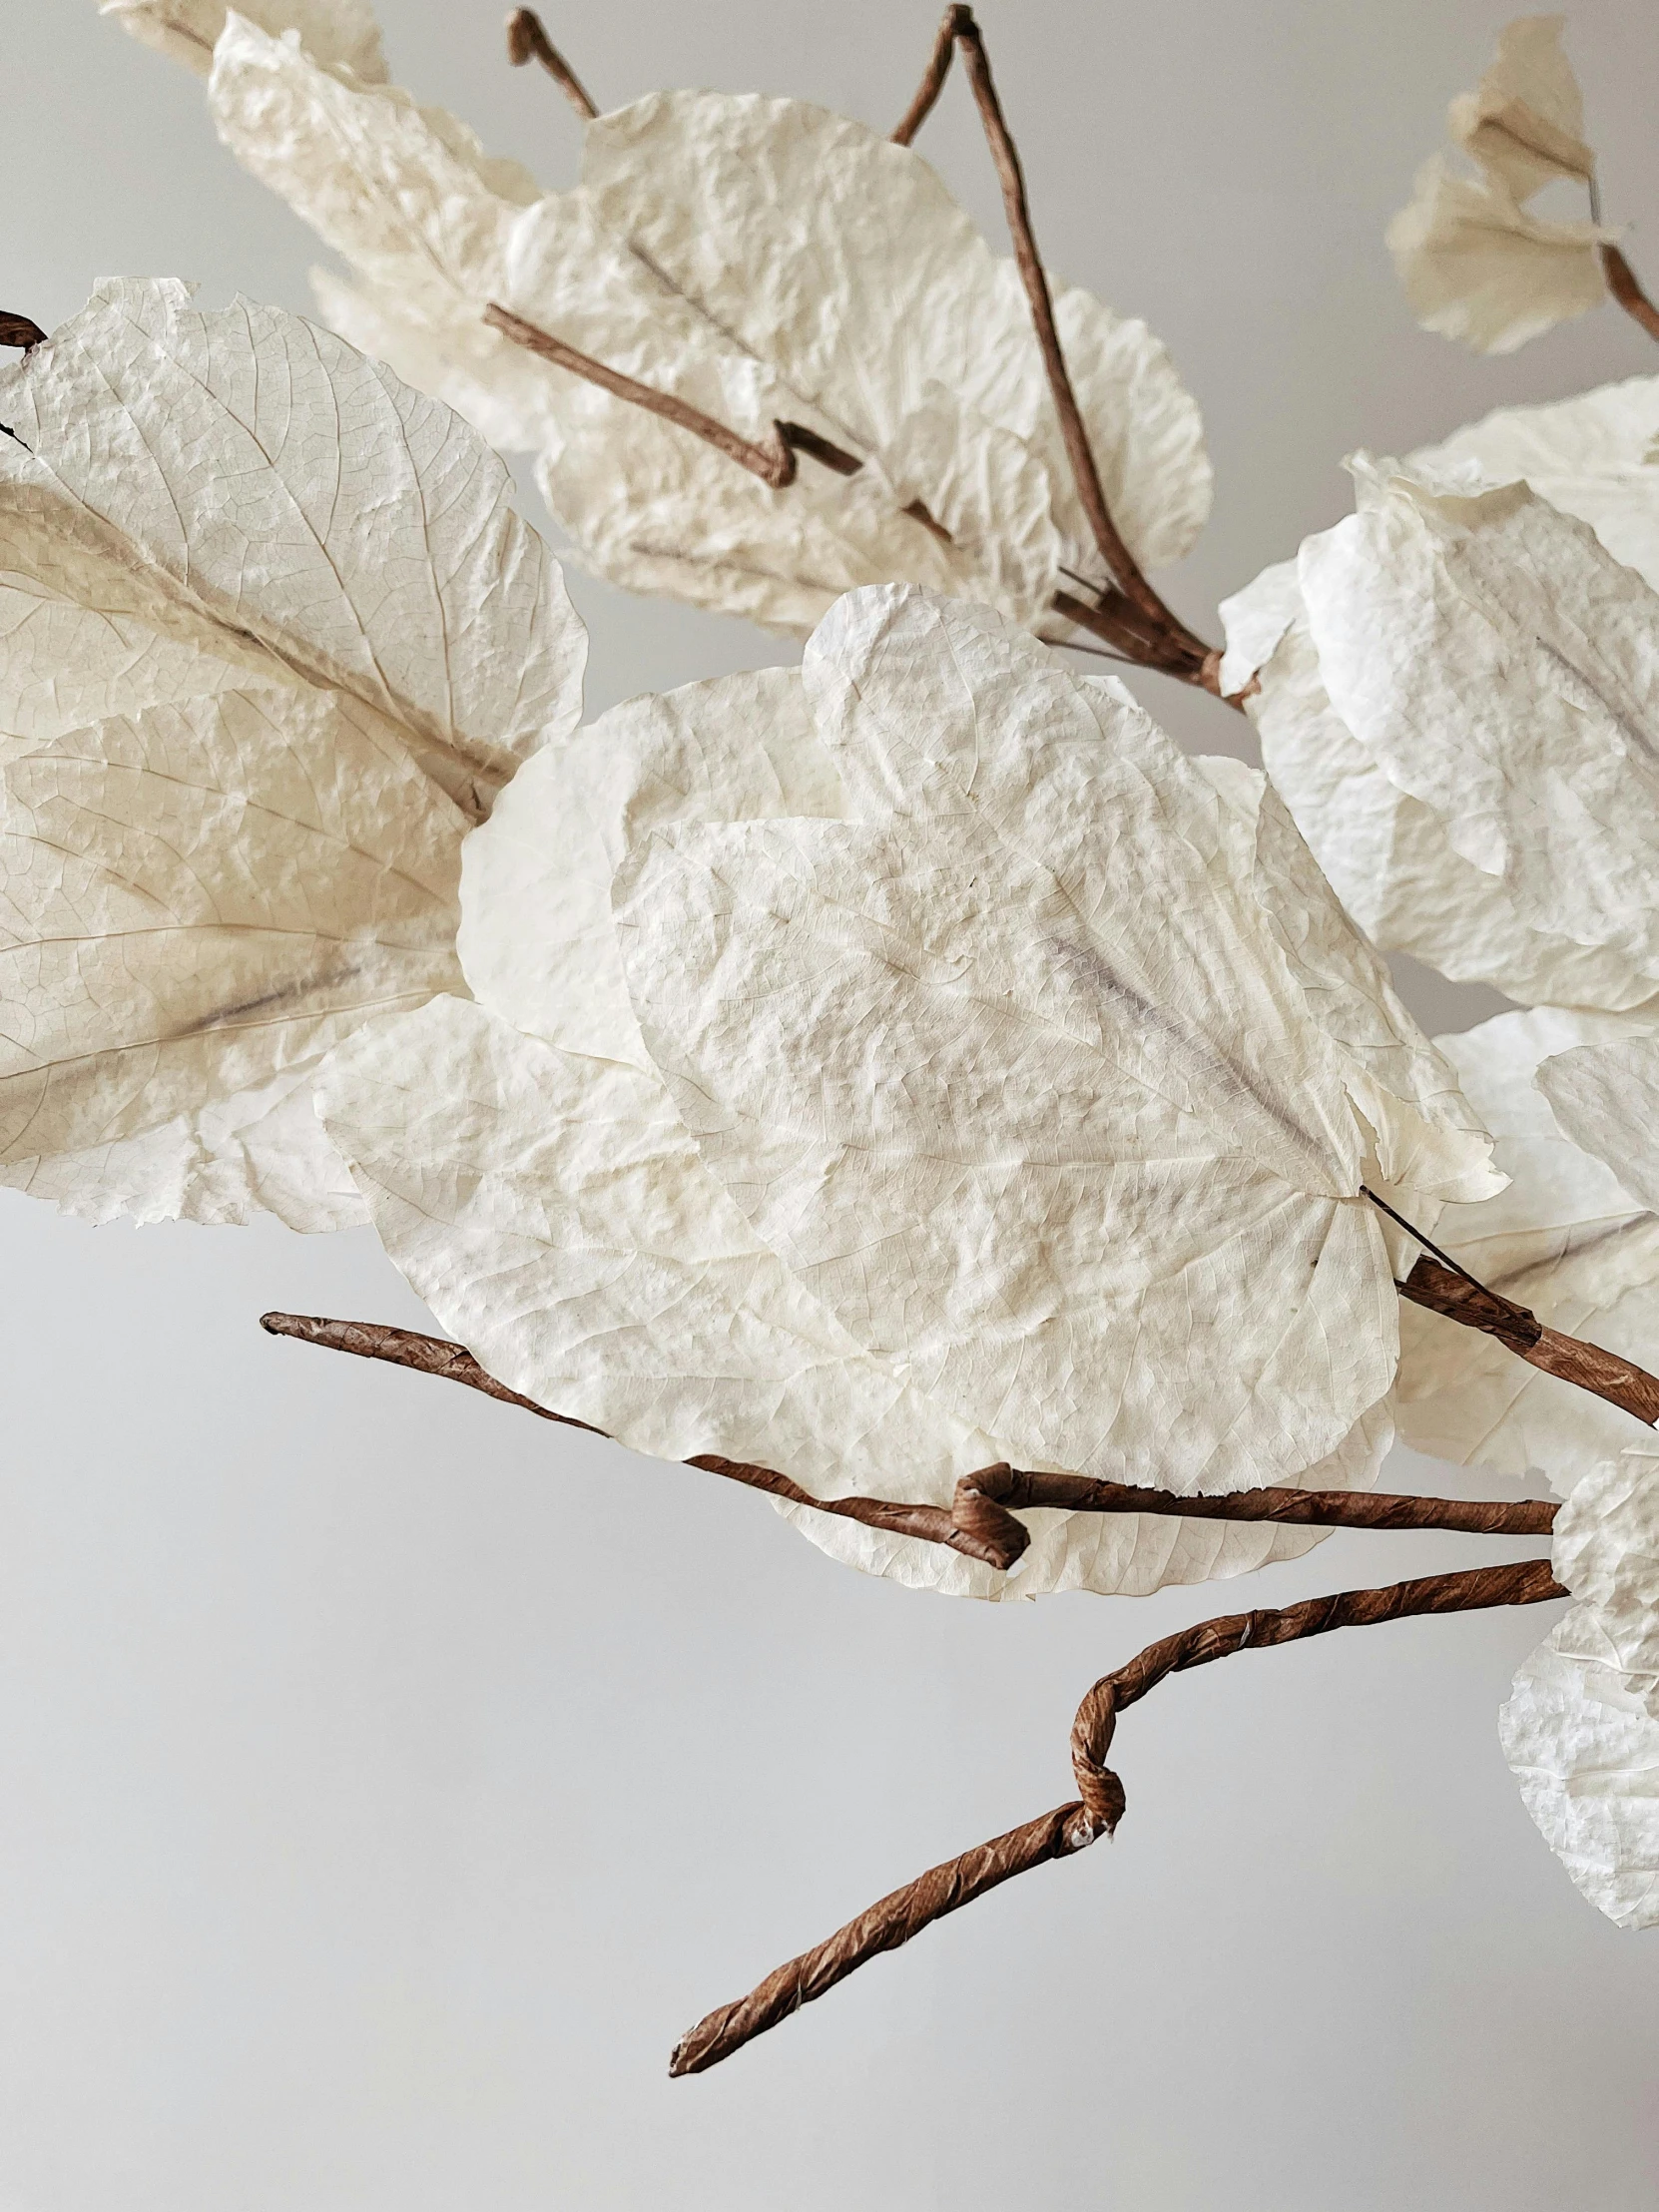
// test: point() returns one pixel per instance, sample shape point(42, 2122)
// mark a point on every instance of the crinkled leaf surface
point(1012, 1078)
point(1478, 267)
point(265, 610)
point(1566, 1239)
point(1605, 1095)
point(343, 34)
point(1595, 456)
point(1581, 1726)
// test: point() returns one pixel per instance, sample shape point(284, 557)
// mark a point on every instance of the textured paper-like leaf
point(1525, 122)
point(343, 34)
point(1015, 1075)
point(269, 618)
point(1605, 1095)
point(1581, 1726)
point(1595, 456)
point(1565, 1240)
point(1477, 266)
point(934, 382)
point(1459, 721)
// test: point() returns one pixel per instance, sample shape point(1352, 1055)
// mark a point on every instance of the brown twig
point(527, 40)
point(980, 1521)
point(933, 82)
point(1099, 1805)
point(774, 463)
point(1604, 1373)
point(1622, 284)
point(17, 329)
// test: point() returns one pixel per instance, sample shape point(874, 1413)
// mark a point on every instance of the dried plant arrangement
point(904, 1084)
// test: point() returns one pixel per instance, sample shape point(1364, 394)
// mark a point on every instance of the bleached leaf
point(1525, 122)
point(1565, 1240)
point(1605, 1095)
point(557, 1217)
point(1595, 456)
point(343, 34)
point(1581, 1728)
point(243, 479)
point(1477, 266)
point(1011, 1080)
point(264, 611)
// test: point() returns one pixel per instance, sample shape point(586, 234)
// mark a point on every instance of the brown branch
point(1622, 284)
point(1099, 1805)
point(774, 463)
point(1604, 1373)
point(17, 329)
point(932, 83)
point(527, 40)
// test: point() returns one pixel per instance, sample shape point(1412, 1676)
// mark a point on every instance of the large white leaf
point(343, 34)
point(1566, 1239)
point(556, 1216)
point(1581, 1726)
point(243, 479)
point(268, 619)
point(1013, 1080)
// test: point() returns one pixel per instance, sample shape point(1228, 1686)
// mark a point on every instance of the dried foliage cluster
point(904, 1083)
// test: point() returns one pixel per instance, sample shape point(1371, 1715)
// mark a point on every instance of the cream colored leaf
point(1477, 266)
point(1525, 122)
point(1595, 456)
point(1581, 1728)
point(241, 479)
point(536, 941)
point(1387, 854)
point(343, 34)
point(841, 260)
point(1499, 664)
point(1605, 1095)
point(198, 901)
point(1044, 1122)
point(1564, 1240)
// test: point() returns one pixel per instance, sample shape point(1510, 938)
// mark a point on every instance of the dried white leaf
point(1478, 267)
point(1581, 1726)
point(343, 34)
point(1014, 1076)
point(1525, 122)
point(1595, 456)
point(268, 617)
point(1565, 1240)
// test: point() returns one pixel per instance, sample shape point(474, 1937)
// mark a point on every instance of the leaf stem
point(527, 40)
point(1099, 1804)
point(1622, 284)
point(933, 82)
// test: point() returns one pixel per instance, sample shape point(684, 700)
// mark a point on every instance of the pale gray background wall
point(385, 1781)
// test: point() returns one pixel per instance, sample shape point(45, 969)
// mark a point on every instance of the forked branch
point(1099, 1804)
point(932, 80)
point(527, 40)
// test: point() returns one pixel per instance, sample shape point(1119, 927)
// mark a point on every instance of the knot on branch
point(982, 1523)
point(1091, 1739)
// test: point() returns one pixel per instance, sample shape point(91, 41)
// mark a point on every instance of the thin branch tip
point(527, 40)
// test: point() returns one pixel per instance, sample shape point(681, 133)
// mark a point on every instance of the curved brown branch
point(933, 82)
point(17, 329)
point(528, 42)
point(1603, 1373)
point(1622, 284)
point(1099, 1805)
